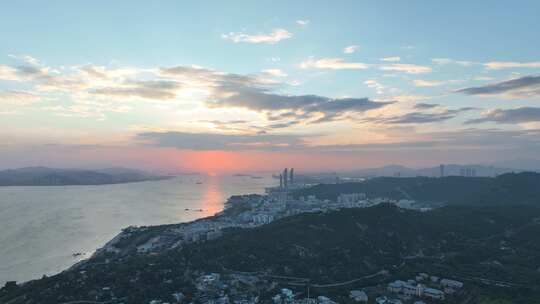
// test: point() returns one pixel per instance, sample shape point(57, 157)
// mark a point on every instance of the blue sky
point(317, 77)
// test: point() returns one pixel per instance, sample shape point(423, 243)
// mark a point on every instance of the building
point(351, 198)
point(412, 289)
point(396, 286)
point(285, 179)
point(385, 300)
point(451, 283)
point(358, 296)
point(468, 172)
point(433, 293)
point(325, 300)
point(409, 289)
point(262, 218)
point(442, 170)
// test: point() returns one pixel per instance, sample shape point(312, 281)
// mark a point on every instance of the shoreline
point(97, 184)
point(95, 215)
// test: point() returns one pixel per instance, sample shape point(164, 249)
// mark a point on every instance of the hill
point(493, 243)
point(510, 188)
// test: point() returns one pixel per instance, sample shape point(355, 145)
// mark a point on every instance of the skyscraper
point(291, 176)
point(442, 170)
point(285, 177)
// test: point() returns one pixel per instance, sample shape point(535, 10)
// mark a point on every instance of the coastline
point(158, 178)
point(93, 216)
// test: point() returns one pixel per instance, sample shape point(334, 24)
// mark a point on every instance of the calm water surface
point(42, 227)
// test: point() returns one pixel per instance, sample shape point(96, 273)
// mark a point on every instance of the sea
point(44, 230)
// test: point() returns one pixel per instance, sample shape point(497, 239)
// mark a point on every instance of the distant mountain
point(528, 164)
point(449, 170)
point(43, 176)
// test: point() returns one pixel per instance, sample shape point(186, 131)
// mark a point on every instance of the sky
point(230, 86)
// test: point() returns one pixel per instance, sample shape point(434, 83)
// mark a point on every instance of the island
point(43, 176)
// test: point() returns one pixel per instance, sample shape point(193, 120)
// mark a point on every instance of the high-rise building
point(291, 176)
point(442, 170)
point(285, 177)
point(281, 181)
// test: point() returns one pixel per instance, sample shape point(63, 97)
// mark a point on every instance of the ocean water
point(42, 227)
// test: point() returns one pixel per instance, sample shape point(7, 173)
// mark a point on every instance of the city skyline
point(213, 88)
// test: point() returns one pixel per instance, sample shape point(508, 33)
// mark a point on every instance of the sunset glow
point(228, 92)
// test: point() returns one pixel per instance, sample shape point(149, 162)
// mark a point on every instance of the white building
point(358, 296)
point(396, 286)
point(451, 283)
point(261, 218)
point(434, 293)
point(351, 198)
point(325, 300)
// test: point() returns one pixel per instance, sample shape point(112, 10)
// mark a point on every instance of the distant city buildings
point(468, 172)
point(351, 198)
point(286, 179)
point(413, 288)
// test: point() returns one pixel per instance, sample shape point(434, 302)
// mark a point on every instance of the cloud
point(528, 86)
point(275, 36)
point(302, 23)
point(510, 116)
point(258, 94)
point(374, 84)
point(461, 140)
point(214, 141)
point(350, 49)
point(332, 64)
point(391, 59)
point(427, 83)
point(308, 108)
point(12, 97)
point(235, 126)
point(425, 106)
point(420, 117)
point(8, 73)
point(483, 78)
point(26, 58)
point(24, 73)
point(275, 72)
point(407, 68)
point(444, 61)
point(96, 90)
point(497, 65)
point(148, 89)
point(410, 98)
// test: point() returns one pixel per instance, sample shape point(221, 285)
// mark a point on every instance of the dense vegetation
point(496, 242)
point(508, 188)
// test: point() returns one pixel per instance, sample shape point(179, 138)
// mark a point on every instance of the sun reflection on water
point(213, 199)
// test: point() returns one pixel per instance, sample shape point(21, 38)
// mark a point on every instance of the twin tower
point(286, 178)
